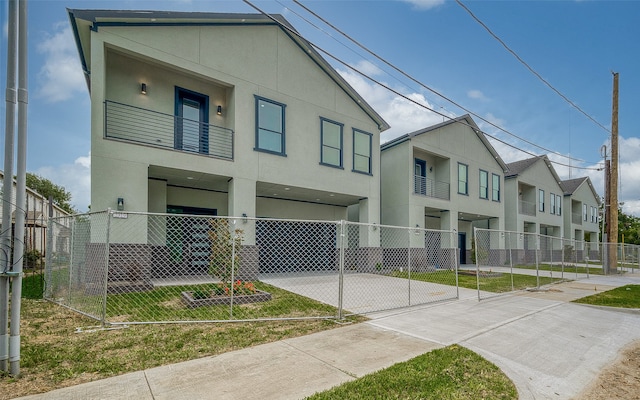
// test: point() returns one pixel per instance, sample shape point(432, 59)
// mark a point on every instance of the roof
point(83, 22)
point(518, 167)
point(571, 185)
point(465, 120)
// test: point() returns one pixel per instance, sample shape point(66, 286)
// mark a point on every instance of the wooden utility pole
point(613, 182)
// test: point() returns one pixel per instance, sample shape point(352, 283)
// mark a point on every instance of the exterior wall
point(583, 195)
point(396, 182)
point(195, 58)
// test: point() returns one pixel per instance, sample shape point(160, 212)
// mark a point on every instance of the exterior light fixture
point(120, 204)
point(143, 88)
point(244, 215)
point(219, 110)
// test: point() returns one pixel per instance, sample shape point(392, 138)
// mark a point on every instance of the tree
point(629, 226)
point(45, 187)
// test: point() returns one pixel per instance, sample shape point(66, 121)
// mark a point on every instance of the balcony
point(152, 128)
point(430, 188)
point(576, 218)
point(527, 208)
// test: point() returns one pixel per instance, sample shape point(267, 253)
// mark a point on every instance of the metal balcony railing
point(527, 207)
point(430, 188)
point(139, 125)
point(576, 218)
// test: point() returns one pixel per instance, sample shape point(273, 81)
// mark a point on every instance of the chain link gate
point(127, 267)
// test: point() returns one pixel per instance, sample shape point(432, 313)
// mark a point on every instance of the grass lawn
point(623, 297)
point(498, 284)
point(568, 268)
point(452, 372)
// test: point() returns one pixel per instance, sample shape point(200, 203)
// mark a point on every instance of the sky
point(435, 53)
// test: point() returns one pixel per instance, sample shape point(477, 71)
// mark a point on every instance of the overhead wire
point(565, 98)
point(345, 64)
point(363, 47)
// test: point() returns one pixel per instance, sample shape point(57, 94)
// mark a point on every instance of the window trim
point(559, 204)
point(541, 200)
point(322, 145)
point(584, 212)
point(353, 160)
point(283, 134)
point(495, 192)
point(552, 203)
point(466, 179)
point(486, 188)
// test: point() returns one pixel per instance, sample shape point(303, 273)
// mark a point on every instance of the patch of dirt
point(620, 380)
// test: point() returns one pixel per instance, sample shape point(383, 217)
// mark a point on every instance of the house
point(223, 114)
point(445, 177)
point(582, 204)
point(38, 210)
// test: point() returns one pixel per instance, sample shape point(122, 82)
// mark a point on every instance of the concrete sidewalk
point(549, 348)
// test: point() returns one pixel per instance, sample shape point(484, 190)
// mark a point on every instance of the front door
point(188, 239)
point(462, 247)
point(419, 177)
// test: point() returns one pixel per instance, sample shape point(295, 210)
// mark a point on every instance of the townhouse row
point(238, 115)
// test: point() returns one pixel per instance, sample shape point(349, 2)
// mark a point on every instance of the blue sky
point(574, 45)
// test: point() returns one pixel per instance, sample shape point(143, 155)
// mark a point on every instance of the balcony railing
point(576, 218)
point(139, 125)
point(527, 207)
point(430, 188)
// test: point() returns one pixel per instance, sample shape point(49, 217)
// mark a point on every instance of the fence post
point(537, 264)
point(48, 264)
point(455, 262)
point(341, 268)
point(106, 269)
point(475, 240)
point(72, 240)
point(233, 267)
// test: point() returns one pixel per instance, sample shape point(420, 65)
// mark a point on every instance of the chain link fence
point(124, 267)
point(507, 261)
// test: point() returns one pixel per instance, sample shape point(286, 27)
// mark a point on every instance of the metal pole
point(106, 270)
point(341, 270)
point(5, 235)
point(21, 192)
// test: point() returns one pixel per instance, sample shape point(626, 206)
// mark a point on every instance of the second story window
point(585, 216)
point(552, 203)
point(484, 184)
point(330, 143)
point(540, 200)
point(463, 178)
point(362, 151)
point(559, 204)
point(270, 132)
point(495, 187)
point(594, 214)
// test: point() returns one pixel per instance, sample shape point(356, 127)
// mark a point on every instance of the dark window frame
point(282, 133)
point(323, 145)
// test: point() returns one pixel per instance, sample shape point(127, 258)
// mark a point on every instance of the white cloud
point(424, 4)
point(75, 178)
point(61, 74)
point(402, 115)
point(477, 95)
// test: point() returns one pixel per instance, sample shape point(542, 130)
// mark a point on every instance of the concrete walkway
point(550, 348)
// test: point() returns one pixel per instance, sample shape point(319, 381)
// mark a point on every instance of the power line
point(565, 98)
point(292, 31)
point(422, 84)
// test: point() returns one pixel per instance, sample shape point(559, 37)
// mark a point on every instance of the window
point(584, 212)
point(559, 204)
point(192, 121)
point(552, 203)
point(484, 184)
point(540, 200)
point(594, 217)
point(495, 187)
point(361, 151)
point(420, 177)
point(331, 143)
point(463, 178)
point(270, 131)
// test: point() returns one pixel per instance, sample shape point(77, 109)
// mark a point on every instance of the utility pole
point(613, 182)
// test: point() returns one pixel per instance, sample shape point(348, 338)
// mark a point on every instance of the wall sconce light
point(120, 204)
point(244, 215)
point(219, 110)
point(431, 169)
point(374, 227)
point(143, 88)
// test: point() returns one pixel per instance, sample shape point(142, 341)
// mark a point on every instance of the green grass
point(32, 286)
point(453, 372)
point(623, 297)
point(499, 284)
point(568, 268)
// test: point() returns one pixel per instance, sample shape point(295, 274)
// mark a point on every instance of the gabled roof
point(85, 21)
point(518, 167)
point(571, 185)
point(465, 120)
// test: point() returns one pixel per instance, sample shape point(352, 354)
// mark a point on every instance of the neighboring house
point(447, 177)
point(534, 198)
point(581, 204)
point(38, 210)
point(223, 114)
